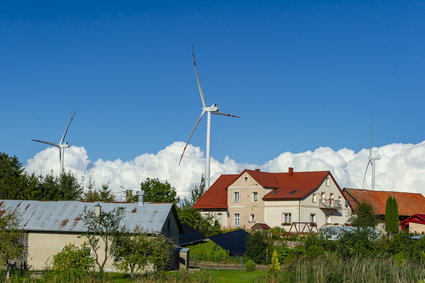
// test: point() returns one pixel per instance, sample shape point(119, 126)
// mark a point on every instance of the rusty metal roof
point(67, 216)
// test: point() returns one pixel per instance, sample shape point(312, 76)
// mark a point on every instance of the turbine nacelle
point(212, 108)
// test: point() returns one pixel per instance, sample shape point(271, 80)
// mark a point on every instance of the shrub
point(256, 248)
point(275, 266)
point(73, 260)
point(250, 265)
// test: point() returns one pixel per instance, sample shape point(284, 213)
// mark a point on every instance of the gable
point(216, 196)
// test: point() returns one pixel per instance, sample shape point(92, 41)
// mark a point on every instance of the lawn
point(235, 275)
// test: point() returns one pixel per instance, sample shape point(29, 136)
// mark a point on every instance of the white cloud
point(401, 167)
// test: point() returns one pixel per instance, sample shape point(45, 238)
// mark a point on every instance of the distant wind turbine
point(61, 145)
point(213, 109)
point(372, 162)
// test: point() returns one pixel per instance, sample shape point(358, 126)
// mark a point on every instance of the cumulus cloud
point(401, 167)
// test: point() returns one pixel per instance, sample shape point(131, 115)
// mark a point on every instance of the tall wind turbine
point(372, 162)
point(213, 109)
point(61, 145)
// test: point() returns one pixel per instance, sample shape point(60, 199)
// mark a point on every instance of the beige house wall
point(416, 228)
point(245, 186)
point(43, 246)
point(220, 216)
point(302, 210)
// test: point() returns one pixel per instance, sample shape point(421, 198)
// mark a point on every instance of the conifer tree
point(391, 216)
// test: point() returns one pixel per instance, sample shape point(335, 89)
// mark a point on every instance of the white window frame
point(313, 217)
point(236, 196)
point(287, 217)
point(314, 199)
point(237, 219)
point(254, 196)
point(251, 218)
point(328, 181)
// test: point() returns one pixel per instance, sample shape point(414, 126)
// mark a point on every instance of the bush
point(73, 260)
point(275, 266)
point(256, 248)
point(250, 265)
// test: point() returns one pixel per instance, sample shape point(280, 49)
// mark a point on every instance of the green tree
point(275, 266)
point(132, 251)
point(203, 224)
point(13, 180)
point(365, 216)
point(195, 194)
point(63, 187)
point(73, 261)
point(93, 194)
point(157, 191)
point(256, 248)
point(162, 248)
point(11, 240)
point(391, 216)
point(103, 228)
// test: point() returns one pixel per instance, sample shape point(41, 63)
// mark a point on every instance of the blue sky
point(301, 74)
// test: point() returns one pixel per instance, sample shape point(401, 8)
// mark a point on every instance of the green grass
point(235, 276)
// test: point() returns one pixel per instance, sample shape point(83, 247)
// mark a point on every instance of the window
point(236, 196)
point(287, 218)
point(237, 219)
point(328, 181)
point(313, 217)
point(255, 196)
point(246, 179)
point(314, 198)
point(323, 198)
point(251, 218)
point(328, 219)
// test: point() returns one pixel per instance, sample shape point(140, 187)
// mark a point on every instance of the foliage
point(131, 252)
point(275, 266)
point(11, 240)
point(161, 250)
point(104, 227)
point(391, 216)
point(208, 251)
point(157, 191)
point(362, 242)
point(365, 216)
point(203, 224)
point(103, 194)
point(250, 265)
point(277, 233)
point(73, 260)
point(195, 194)
point(13, 181)
point(256, 248)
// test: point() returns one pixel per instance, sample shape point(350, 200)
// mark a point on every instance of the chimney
point(140, 198)
point(291, 171)
point(97, 210)
point(257, 170)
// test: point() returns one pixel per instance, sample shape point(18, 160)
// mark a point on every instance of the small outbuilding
point(414, 224)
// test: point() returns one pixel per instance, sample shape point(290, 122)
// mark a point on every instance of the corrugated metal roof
point(67, 216)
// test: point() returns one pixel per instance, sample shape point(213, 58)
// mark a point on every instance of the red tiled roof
point(408, 203)
point(216, 196)
point(417, 218)
point(286, 186)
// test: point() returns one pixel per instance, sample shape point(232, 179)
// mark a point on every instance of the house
point(414, 224)
point(291, 200)
point(50, 225)
point(408, 203)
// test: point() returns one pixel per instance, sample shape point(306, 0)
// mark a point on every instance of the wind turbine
point(213, 109)
point(61, 145)
point(372, 162)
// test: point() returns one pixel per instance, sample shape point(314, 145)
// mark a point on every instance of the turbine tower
point(209, 110)
point(372, 162)
point(61, 145)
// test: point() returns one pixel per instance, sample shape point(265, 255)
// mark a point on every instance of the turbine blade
point(46, 142)
point(224, 114)
point(364, 176)
point(201, 92)
point(191, 134)
point(66, 130)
